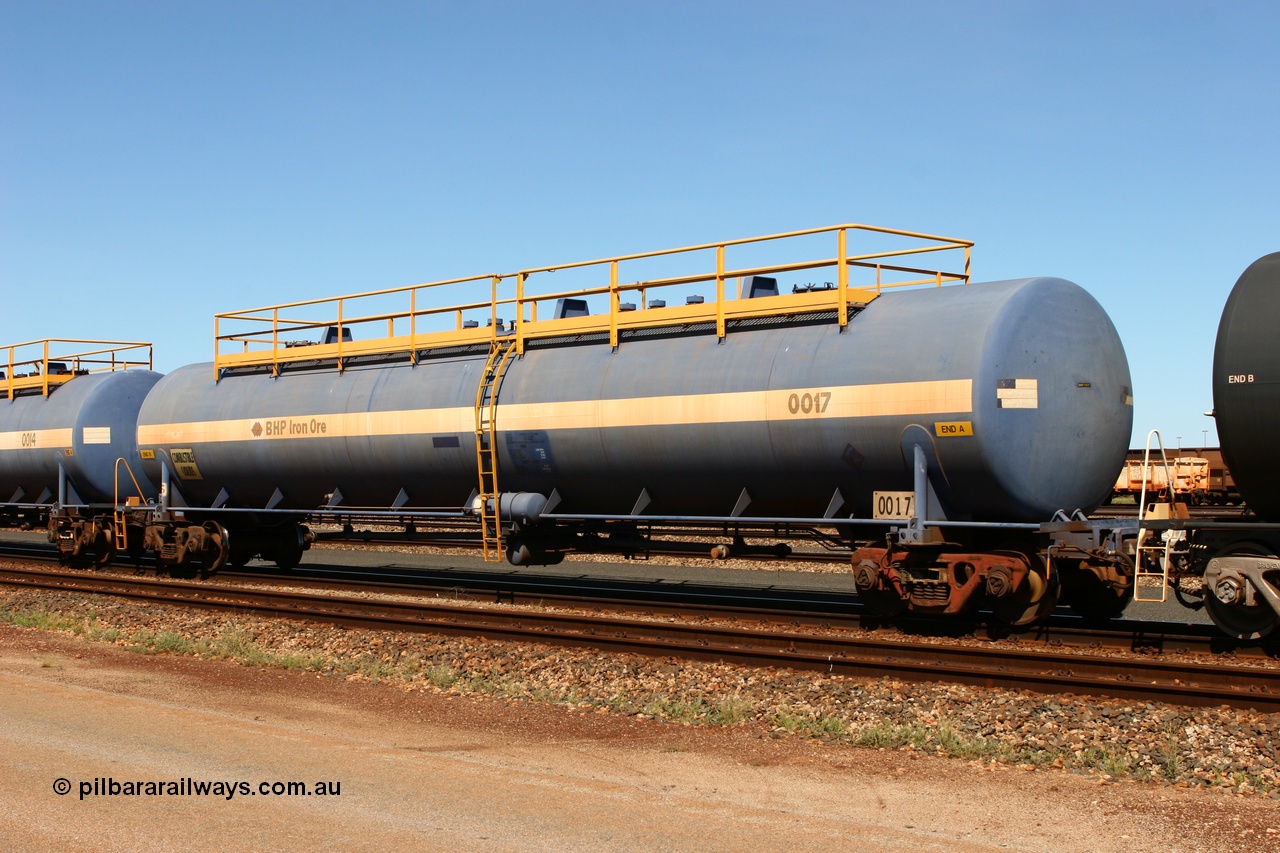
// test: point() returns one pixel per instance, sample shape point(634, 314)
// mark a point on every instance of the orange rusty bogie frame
point(961, 577)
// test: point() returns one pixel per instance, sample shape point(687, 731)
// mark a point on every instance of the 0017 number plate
point(893, 505)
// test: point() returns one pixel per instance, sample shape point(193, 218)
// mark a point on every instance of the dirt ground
point(426, 771)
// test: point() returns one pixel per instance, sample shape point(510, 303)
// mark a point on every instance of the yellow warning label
point(184, 463)
point(952, 428)
point(147, 454)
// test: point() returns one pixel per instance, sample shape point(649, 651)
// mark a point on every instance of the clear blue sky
point(163, 161)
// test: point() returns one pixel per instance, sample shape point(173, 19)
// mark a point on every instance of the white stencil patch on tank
point(97, 435)
point(1017, 394)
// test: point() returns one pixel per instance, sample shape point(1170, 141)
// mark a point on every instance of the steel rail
point(1125, 677)
point(417, 542)
point(771, 603)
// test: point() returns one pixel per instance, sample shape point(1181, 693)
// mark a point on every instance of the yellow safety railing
point(47, 363)
point(281, 334)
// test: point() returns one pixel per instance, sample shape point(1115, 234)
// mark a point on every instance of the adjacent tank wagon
point(68, 421)
point(1238, 561)
point(1230, 566)
point(1246, 385)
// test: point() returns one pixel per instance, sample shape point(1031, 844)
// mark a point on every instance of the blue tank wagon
point(939, 428)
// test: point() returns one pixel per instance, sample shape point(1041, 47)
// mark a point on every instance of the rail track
point(778, 604)
point(787, 607)
point(688, 599)
point(1041, 669)
point(698, 543)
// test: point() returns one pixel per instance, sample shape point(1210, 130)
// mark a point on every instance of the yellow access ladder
point(120, 516)
point(500, 353)
point(1152, 556)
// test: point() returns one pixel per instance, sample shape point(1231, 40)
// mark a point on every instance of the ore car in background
point(1189, 476)
point(1199, 479)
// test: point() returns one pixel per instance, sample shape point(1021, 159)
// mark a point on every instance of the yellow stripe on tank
point(36, 439)
point(902, 399)
point(849, 401)
point(333, 425)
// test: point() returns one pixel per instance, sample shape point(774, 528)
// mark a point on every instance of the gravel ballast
point(1220, 749)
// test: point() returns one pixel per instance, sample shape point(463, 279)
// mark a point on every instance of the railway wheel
point(1228, 602)
point(1034, 600)
point(1098, 592)
point(137, 543)
point(104, 545)
point(240, 559)
point(881, 604)
point(877, 601)
point(217, 550)
point(286, 558)
point(289, 547)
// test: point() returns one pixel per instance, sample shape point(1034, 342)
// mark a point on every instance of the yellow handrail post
point(275, 342)
point(44, 370)
point(967, 251)
point(413, 326)
point(340, 366)
point(520, 314)
point(720, 328)
point(613, 304)
point(217, 345)
point(493, 307)
point(842, 278)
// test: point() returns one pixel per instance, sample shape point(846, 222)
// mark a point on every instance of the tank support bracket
point(917, 530)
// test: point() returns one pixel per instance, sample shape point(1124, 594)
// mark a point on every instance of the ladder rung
point(486, 448)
